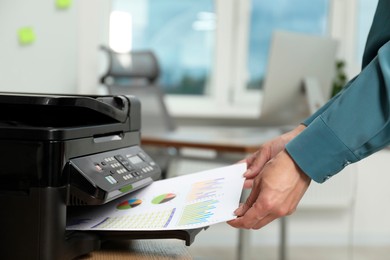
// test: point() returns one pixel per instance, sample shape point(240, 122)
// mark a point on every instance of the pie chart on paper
point(163, 198)
point(128, 204)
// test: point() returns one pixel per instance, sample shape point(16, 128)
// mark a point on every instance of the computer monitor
point(299, 77)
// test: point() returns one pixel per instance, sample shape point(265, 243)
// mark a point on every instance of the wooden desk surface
point(160, 249)
point(221, 139)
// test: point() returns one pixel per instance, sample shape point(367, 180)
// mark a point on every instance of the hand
point(276, 192)
point(266, 152)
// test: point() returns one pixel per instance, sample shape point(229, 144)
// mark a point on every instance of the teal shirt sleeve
point(310, 119)
point(355, 123)
point(352, 126)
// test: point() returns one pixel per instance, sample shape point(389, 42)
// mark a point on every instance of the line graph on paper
point(205, 189)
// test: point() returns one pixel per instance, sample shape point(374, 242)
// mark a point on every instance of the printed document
point(185, 202)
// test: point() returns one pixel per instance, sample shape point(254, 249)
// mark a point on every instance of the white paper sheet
point(190, 201)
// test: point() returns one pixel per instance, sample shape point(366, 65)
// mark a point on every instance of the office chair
point(137, 73)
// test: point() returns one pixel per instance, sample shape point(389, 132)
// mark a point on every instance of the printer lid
point(59, 117)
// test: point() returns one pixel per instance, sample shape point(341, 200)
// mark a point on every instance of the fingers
point(262, 213)
point(276, 192)
point(252, 157)
point(256, 162)
point(240, 223)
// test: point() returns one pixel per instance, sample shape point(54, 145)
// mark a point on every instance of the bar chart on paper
point(198, 213)
point(185, 202)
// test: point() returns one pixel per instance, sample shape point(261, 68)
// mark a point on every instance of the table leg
point(283, 239)
point(244, 235)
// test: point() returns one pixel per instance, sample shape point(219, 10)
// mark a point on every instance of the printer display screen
point(135, 159)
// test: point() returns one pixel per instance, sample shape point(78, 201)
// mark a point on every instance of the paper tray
point(187, 235)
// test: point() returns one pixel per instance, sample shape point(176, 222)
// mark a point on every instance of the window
point(365, 15)
point(213, 53)
point(306, 16)
point(180, 32)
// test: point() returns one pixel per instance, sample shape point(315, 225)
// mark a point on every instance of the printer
point(60, 152)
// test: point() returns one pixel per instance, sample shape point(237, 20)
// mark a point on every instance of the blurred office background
point(213, 56)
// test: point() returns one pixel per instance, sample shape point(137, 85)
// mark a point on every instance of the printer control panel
point(99, 178)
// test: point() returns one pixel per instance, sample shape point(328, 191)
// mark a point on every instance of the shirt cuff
point(319, 152)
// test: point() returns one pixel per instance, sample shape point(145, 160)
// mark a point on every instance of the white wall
point(372, 212)
point(366, 223)
point(64, 56)
point(48, 64)
point(93, 24)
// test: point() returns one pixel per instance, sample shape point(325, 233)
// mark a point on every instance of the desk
point(243, 140)
point(161, 249)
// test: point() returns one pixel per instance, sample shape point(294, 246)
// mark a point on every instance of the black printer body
point(62, 151)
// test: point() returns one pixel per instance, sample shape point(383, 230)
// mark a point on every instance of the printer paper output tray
point(187, 235)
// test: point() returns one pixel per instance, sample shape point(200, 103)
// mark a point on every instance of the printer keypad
point(115, 165)
point(115, 169)
point(131, 175)
point(124, 166)
point(109, 159)
point(121, 170)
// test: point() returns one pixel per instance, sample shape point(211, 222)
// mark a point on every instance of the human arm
point(356, 124)
point(352, 127)
point(349, 128)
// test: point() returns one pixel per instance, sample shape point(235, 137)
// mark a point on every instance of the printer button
point(129, 168)
point(98, 167)
point(135, 174)
point(109, 159)
point(111, 179)
point(142, 156)
point(119, 157)
point(125, 163)
point(121, 170)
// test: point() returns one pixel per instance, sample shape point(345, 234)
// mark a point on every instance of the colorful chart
point(128, 204)
point(205, 189)
point(198, 213)
point(163, 198)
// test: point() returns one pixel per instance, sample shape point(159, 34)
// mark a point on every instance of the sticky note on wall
point(63, 4)
point(26, 35)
